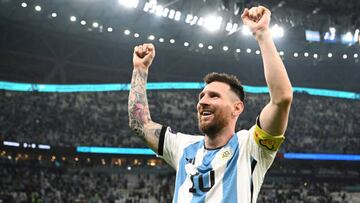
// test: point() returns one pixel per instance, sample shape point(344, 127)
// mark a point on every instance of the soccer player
point(223, 165)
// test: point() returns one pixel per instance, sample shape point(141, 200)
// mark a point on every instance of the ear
point(238, 108)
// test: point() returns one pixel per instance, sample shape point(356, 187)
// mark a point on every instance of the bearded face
point(214, 108)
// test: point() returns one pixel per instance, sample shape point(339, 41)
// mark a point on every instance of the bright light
point(165, 12)
point(83, 22)
point(248, 50)
point(246, 30)
point(161, 40)
point(238, 50)
point(332, 30)
point(186, 44)
point(315, 56)
point(228, 26)
point(231, 27)
point(129, 3)
point(306, 54)
point(330, 55)
point(147, 7)
point(177, 15)
point(37, 8)
point(172, 41)
point(212, 23)
point(151, 37)
point(281, 53)
point(296, 54)
point(356, 35)
point(210, 47)
point(159, 10)
point(257, 52)
point(72, 18)
point(277, 31)
point(171, 14)
point(96, 24)
point(201, 45)
point(356, 55)
point(188, 18)
point(225, 48)
point(110, 29)
point(345, 56)
point(136, 35)
point(54, 15)
point(194, 20)
point(23, 4)
point(200, 21)
point(348, 37)
point(126, 32)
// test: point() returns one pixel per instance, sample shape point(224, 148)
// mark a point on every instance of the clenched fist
point(143, 56)
point(257, 19)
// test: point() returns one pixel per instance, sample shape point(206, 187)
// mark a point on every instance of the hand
point(143, 56)
point(257, 19)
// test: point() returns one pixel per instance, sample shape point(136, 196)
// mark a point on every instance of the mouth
point(206, 114)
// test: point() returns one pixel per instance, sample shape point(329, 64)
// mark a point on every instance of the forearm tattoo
point(138, 105)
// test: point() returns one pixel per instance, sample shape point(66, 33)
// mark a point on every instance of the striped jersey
point(229, 174)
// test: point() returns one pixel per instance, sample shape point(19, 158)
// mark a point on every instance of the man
point(224, 165)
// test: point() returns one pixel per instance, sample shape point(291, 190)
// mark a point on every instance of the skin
point(217, 96)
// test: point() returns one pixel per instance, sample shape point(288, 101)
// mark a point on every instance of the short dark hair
point(231, 80)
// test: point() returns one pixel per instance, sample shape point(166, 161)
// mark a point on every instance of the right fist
point(143, 56)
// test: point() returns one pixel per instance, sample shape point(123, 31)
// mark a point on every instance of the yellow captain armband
point(267, 141)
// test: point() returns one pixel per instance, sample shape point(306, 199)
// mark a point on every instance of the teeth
point(206, 113)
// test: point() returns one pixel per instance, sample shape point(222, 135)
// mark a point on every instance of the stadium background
point(48, 122)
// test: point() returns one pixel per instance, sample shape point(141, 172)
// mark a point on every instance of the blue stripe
point(230, 175)
point(189, 152)
point(114, 150)
point(12, 86)
point(333, 157)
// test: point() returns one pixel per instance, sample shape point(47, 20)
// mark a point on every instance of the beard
point(211, 128)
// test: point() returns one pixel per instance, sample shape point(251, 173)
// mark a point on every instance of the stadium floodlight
point(159, 10)
point(96, 24)
point(356, 35)
point(147, 7)
point(83, 22)
point(281, 53)
point(248, 50)
point(127, 32)
point(257, 52)
point(330, 55)
point(109, 29)
point(228, 26)
point(38, 8)
point(177, 16)
point(188, 18)
point(231, 28)
point(200, 21)
point(356, 55)
point(23, 4)
point(246, 30)
point(344, 56)
point(277, 31)
point(151, 37)
point(54, 15)
point(212, 23)
point(136, 35)
point(171, 14)
point(238, 50)
point(186, 44)
point(225, 48)
point(72, 18)
point(194, 20)
point(315, 56)
point(129, 3)
point(165, 12)
point(172, 41)
point(296, 54)
point(306, 54)
point(161, 39)
point(201, 45)
point(210, 47)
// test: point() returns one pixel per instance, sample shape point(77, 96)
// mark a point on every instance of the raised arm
point(274, 116)
point(139, 115)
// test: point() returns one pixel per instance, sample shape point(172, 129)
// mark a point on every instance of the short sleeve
point(172, 145)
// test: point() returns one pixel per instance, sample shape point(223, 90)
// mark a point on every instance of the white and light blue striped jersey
point(230, 174)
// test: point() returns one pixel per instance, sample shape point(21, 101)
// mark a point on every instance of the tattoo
point(138, 105)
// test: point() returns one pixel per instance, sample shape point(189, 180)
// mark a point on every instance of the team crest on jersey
point(226, 154)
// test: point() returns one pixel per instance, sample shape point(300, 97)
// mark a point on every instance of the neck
point(218, 139)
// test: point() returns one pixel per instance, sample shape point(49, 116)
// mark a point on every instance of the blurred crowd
point(25, 181)
point(316, 124)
